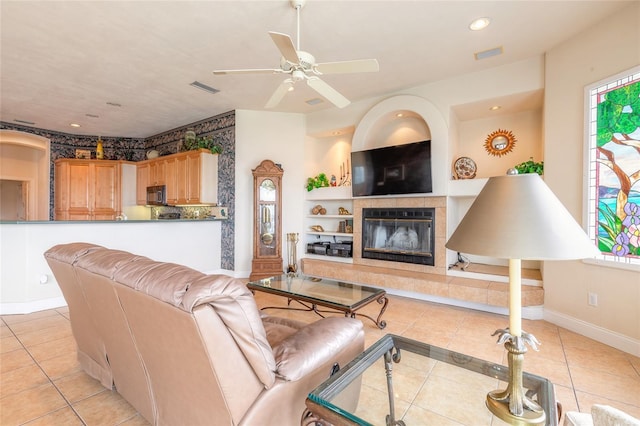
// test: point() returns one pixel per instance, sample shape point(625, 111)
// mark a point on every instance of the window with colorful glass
point(614, 167)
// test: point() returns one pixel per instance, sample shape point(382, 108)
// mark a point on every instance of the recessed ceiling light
point(74, 125)
point(495, 107)
point(479, 24)
point(336, 133)
point(399, 115)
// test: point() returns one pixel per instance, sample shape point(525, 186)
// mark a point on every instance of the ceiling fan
point(301, 65)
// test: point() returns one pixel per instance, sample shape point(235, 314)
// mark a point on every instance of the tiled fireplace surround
point(420, 280)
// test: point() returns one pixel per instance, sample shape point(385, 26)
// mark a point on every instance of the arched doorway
point(24, 176)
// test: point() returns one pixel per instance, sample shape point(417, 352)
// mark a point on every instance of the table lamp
point(517, 217)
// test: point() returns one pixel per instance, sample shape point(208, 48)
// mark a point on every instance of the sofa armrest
point(316, 344)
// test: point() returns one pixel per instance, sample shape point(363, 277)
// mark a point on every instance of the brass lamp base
point(501, 410)
point(512, 405)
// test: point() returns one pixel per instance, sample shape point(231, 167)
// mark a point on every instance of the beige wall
point(609, 48)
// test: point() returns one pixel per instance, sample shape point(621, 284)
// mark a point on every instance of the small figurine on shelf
point(333, 181)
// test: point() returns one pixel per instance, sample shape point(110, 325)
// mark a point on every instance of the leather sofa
point(186, 348)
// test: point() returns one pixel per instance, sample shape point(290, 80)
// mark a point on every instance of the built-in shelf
point(466, 187)
point(331, 216)
point(338, 259)
point(496, 273)
point(331, 234)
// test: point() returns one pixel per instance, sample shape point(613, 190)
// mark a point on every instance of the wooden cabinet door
point(87, 189)
point(142, 181)
point(182, 179)
point(61, 192)
point(157, 172)
point(105, 191)
point(80, 189)
point(170, 180)
point(193, 177)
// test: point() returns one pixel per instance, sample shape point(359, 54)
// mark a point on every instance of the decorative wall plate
point(465, 168)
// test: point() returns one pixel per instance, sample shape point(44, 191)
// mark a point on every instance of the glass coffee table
point(315, 293)
point(400, 381)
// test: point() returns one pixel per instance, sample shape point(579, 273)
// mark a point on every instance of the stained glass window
point(613, 173)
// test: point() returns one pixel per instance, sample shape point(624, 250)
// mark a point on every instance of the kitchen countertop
point(26, 222)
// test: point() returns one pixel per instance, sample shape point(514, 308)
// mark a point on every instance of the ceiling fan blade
point(279, 94)
point(360, 65)
point(285, 46)
point(331, 94)
point(248, 71)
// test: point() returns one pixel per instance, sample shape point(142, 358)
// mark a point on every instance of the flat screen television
point(400, 169)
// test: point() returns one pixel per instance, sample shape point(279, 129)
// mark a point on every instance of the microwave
point(157, 195)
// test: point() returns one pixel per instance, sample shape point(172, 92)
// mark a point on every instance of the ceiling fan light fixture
point(479, 24)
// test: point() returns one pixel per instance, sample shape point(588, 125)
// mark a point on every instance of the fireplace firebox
point(399, 234)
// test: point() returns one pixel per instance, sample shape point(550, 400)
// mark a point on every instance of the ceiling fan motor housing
point(306, 62)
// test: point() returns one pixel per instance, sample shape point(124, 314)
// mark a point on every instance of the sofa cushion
point(165, 281)
point(278, 329)
point(313, 345)
point(69, 253)
point(106, 262)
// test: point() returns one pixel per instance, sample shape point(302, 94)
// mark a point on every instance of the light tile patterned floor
point(41, 382)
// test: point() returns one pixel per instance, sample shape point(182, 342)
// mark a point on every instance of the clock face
point(465, 168)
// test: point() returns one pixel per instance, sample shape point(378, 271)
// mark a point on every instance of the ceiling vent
point(488, 53)
point(30, 123)
point(204, 87)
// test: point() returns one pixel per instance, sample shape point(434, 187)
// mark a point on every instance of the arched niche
point(380, 126)
point(25, 158)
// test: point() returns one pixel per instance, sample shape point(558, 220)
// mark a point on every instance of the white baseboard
point(602, 335)
point(34, 306)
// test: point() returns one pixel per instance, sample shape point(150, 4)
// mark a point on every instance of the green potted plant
point(530, 166)
point(205, 142)
point(319, 181)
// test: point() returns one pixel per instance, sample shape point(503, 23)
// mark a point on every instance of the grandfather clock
point(267, 231)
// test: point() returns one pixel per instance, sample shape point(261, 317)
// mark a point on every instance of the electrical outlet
point(593, 299)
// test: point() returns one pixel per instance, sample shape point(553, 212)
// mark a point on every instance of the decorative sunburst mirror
point(500, 142)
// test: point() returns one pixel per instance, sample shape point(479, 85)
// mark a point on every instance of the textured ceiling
point(67, 61)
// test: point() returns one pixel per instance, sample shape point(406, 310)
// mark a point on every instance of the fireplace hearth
point(399, 234)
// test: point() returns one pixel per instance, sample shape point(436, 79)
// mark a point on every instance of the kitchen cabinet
point(142, 181)
point(170, 180)
point(157, 168)
point(190, 177)
point(87, 189)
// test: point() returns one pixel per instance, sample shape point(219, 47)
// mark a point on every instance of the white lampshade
point(518, 217)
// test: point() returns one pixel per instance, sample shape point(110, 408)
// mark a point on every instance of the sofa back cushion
point(95, 271)
point(92, 354)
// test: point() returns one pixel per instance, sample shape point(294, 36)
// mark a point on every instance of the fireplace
point(399, 234)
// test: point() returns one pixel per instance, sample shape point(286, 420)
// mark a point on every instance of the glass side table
point(400, 381)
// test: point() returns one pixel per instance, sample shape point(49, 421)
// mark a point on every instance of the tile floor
point(41, 382)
